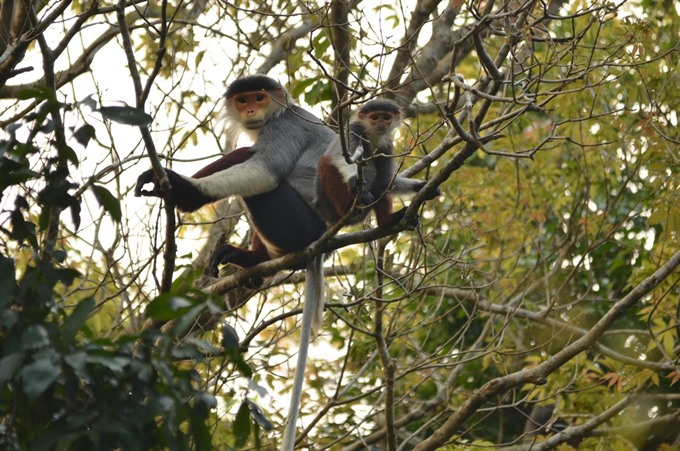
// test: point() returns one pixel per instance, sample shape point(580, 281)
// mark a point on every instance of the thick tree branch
point(419, 17)
point(285, 43)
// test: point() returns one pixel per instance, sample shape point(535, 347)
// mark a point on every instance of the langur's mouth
point(253, 125)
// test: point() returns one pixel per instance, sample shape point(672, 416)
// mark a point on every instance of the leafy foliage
point(551, 129)
point(63, 385)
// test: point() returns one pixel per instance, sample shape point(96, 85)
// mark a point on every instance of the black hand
point(434, 195)
point(365, 197)
point(147, 177)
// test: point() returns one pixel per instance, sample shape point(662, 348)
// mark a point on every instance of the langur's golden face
point(252, 108)
point(380, 121)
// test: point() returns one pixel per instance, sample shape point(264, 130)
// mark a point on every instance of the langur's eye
point(241, 100)
point(380, 116)
point(260, 98)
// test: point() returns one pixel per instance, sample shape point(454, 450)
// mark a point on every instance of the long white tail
point(312, 318)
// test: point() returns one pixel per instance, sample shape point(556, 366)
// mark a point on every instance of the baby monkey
point(339, 181)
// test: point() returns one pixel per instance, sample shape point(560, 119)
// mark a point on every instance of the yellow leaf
point(668, 341)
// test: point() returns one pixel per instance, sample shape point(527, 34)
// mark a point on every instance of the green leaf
point(12, 128)
point(22, 230)
point(185, 352)
point(15, 172)
point(75, 214)
point(8, 281)
point(257, 388)
point(108, 202)
point(202, 345)
point(162, 405)
point(125, 115)
point(116, 364)
point(84, 134)
point(236, 357)
point(321, 44)
point(320, 91)
point(187, 320)
point(143, 370)
point(258, 416)
point(8, 318)
point(201, 433)
point(242, 425)
point(66, 275)
point(38, 376)
point(9, 365)
point(77, 361)
point(38, 92)
point(89, 102)
point(167, 307)
point(229, 337)
point(74, 322)
point(59, 255)
point(67, 153)
point(299, 87)
point(204, 403)
point(34, 337)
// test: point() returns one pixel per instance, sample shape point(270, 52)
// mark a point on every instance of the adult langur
point(276, 180)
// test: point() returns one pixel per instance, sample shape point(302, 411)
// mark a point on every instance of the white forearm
point(243, 180)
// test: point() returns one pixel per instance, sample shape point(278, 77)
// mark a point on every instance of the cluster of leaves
point(62, 384)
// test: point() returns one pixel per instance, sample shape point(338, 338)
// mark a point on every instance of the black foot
point(221, 256)
point(413, 224)
point(228, 254)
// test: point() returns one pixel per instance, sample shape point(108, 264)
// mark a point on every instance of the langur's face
point(252, 108)
point(381, 121)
